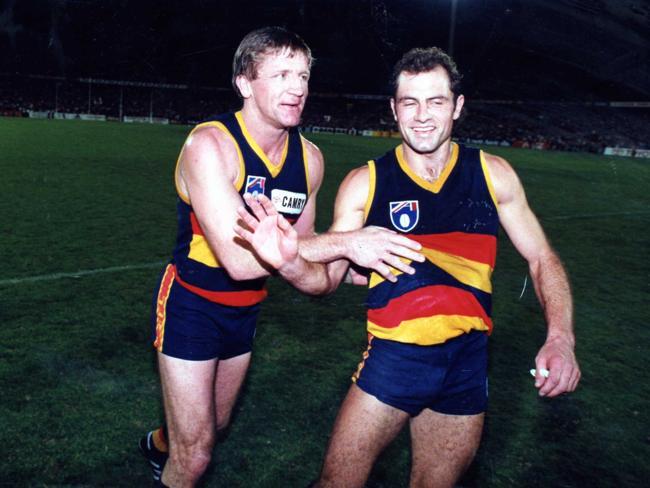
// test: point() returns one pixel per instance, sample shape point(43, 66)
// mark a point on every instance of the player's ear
point(392, 107)
point(458, 109)
point(244, 86)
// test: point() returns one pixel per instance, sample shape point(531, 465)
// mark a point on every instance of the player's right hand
point(383, 251)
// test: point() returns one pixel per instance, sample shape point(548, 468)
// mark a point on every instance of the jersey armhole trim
point(488, 180)
point(305, 161)
point(372, 176)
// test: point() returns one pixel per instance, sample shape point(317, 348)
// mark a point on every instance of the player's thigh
point(363, 428)
point(443, 446)
point(188, 394)
point(228, 381)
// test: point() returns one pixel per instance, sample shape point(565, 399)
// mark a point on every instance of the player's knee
point(193, 457)
point(194, 463)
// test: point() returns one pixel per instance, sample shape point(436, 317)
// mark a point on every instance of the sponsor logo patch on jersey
point(287, 201)
point(255, 184)
point(405, 214)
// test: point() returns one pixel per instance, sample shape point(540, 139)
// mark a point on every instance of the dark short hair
point(422, 60)
point(267, 40)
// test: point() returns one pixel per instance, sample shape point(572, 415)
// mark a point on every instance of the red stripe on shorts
point(161, 304)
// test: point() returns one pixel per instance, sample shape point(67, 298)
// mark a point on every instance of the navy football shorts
point(449, 378)
point(187, 326)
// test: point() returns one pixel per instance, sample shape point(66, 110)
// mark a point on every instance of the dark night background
point(571, 50)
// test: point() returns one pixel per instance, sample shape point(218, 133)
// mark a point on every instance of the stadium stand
point(586, 126)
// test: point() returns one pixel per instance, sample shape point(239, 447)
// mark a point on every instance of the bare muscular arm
point(548, 276)
point(208, 168)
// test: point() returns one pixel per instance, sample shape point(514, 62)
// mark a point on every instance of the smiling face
point(280, 87)
point(424, 109)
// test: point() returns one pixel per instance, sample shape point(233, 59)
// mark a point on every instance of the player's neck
point(269, 138)
point(429, 166)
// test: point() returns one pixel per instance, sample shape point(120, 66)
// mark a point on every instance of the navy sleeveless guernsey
point(455, 219)
point(287, 185)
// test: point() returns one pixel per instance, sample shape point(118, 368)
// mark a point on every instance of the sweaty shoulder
point(504, 180)
point(359, 176)
point(211, 139)
point(208, 149)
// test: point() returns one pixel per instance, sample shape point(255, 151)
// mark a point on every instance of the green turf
point(78, 382)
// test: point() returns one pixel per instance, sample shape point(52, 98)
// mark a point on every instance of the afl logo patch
point(255, 184)
point(404, 215)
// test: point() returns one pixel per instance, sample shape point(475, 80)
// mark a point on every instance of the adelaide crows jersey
point(287, 185)
point(455, 219)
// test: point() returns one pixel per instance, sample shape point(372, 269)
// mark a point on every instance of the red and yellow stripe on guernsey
point(199, 248)
point(200, 251)
point(428, 315)
point(470, 258)
point(433, 314)
point(161, 305)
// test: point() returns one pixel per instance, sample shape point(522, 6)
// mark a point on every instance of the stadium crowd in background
point(539, 125)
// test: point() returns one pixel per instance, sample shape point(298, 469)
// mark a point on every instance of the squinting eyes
point(437, 103)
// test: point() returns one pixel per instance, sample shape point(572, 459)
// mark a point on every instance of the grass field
point(87, 213)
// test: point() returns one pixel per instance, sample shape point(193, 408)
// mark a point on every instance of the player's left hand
point(558, 357)
point(274, 239)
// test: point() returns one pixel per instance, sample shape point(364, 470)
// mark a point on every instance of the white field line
point(79, 274)
point(597, 215)
point(128, 267)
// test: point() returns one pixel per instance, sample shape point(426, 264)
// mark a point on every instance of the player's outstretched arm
point(208, 168)
point(375, 248)
point(549, 278)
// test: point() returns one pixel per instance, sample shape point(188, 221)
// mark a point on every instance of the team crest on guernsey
point(405, 214)
point(255, 184)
